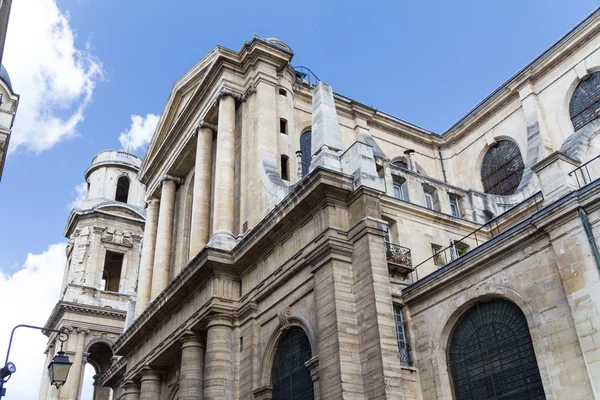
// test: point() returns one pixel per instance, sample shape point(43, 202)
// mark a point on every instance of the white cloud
point(79, 192)
point(55, 79)
point(139, 133)
point(29, 296)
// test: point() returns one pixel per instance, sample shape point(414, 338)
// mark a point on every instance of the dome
point(4, 76)
point(279, 43)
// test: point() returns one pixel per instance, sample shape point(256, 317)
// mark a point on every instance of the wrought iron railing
point(306, 76)
point(583, 174)
point(492, 228)
point(398, 255)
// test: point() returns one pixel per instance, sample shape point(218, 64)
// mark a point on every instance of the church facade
point(301, 245)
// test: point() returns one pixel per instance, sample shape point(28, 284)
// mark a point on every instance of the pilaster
point(147, 259)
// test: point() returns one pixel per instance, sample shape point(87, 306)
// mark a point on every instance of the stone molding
point(171, 178)
point(225, 91)
point(62, 306)
point(206, 124)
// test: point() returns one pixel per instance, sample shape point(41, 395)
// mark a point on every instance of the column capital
point(150, 374)
point(191, 339)
point(248, 92)
point(225, 91)
point(152, 200)
point(219, 320)
point(206, 124)
point(131, 387)
point(171, 178)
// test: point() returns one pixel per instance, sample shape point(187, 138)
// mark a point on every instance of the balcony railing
point(588, 172)
point(398, 258)
point(492, 228)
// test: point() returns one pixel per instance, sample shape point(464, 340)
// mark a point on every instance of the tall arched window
point(502, 168)
point(491, 355)
point(585, 102)
point(289, 377)
point(122, 189)
point(305, 148)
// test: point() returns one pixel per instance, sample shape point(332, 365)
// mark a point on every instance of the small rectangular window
point(429, 201)
point(284, 168)
point(439, 258)
point(241, 344)
point(400, 188)
point(459, 249)
point(283, 126)
point(402, 336)
point(430, 197)
point(111, 275)
point(454, 208)
point(283, 92)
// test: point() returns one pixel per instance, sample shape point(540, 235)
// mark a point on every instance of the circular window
point(502, 168)
point(585, 103)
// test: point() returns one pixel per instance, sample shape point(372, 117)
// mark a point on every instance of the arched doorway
point(98, 362)
point(289, 376)
point(491, 355)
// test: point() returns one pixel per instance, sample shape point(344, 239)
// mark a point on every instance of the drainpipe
point(442, 162)
point(590, 234)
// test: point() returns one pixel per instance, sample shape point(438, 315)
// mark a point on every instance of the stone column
point(100, 392)
point(131, 390)
point(45, 389)
point(191, 376)
point(222, 236)
point(202, 188)
point(150, 387)
point(147, 260)
point(72, 387)
point(218, 372)
point(164, 237)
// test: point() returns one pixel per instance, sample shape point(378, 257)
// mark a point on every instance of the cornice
point(62, 306)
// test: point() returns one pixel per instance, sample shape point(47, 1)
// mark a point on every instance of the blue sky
point(423, 61)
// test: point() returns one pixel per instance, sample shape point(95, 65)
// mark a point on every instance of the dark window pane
point(491, 355)
point(305, 144)
point(585, 101)
point(502, 168)
point(291, 380)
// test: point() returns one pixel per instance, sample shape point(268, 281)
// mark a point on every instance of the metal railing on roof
point(306, 76)
point(583, 172)
point(494, 227)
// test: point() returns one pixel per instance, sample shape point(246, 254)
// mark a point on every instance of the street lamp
point(58, 368)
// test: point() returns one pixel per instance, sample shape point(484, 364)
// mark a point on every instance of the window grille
point(402, 336)
point(305, 144)
point(289, 377)
point(491, 355)
point(502, 168)
point(585, 102)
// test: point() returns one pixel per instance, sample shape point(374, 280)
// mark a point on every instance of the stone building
point(302, 245)
point(9, 101)
point(99, 284)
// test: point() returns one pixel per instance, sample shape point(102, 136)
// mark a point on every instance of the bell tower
point(100, 278)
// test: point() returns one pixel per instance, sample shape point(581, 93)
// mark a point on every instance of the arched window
point(289, 377)
point(122, 189)
point(305, 148)
point(585, 102)
point(491, 355)
point(502, 168)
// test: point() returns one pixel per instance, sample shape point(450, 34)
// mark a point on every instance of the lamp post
point(58, 368)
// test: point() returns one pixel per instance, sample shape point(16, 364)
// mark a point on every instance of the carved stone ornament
point(283, 317)
point(205, 124)
point(172, 178)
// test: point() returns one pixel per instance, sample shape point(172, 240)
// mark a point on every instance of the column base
point(223, 240)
